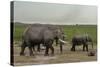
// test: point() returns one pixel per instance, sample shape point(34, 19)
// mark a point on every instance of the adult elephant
point(81, 40)
point(49, 36)
point(39, 34)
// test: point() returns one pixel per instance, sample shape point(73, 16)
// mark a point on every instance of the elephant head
point(59, 37)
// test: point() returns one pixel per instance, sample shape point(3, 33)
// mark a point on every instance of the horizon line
point(57, 23)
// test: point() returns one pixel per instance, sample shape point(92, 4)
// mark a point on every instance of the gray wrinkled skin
point(81, 40)
point(38, 34)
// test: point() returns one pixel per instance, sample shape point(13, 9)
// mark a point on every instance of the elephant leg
point(56, 42)
point(83, 47)
point(87, 47)
point(23, 46)
point(61, 48)
point(52, 49)
point(46, 51)
point(73, 47)
point(38, 48)
point(30, 50)
point(33, 48)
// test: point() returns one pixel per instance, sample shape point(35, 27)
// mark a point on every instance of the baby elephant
point(81, 40)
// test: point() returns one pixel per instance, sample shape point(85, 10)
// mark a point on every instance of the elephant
point(81, 40)
point(51, 36)
point(31, 33)
point(38, 34)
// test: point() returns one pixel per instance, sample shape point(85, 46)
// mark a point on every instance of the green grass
point(69, 31)
point(18, 31)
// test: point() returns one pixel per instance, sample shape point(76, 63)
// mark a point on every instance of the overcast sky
point(36, 12)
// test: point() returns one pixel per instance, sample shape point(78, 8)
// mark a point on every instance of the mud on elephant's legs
point(22, 51)
point(61, 48)
point(52, 50)
point(38, 48)
point(30, 50)
point(73, 47)
point(46, 51)
point(23, 46)
point(87, 47)
point(83, 47)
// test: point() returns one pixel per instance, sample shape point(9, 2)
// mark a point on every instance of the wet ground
point(66, 57)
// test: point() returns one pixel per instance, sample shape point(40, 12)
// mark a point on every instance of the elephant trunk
point(61, 44)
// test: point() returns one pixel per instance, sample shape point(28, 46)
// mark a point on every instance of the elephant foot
point(83, 50)
point(22, 54)
point(31, 54)
point(38, 50)
point(61, 52)
point(52, 55)
point(71, 49)
point(46, 54)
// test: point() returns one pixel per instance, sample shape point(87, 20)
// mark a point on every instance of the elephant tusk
point(62, 41)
